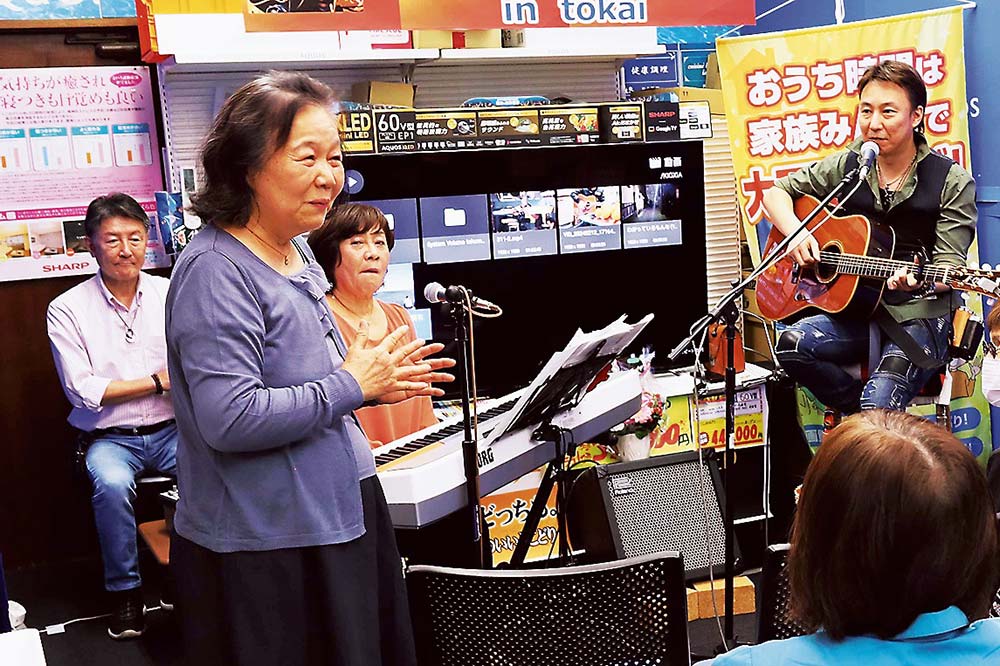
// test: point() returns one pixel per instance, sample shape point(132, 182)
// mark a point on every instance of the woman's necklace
point(129, 326)
point(283, 255)
point(367, 318)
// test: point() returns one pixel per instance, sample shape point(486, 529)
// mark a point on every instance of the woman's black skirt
point(342, 604)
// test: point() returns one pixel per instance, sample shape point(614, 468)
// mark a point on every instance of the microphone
point(435, 292)
point(869, 151)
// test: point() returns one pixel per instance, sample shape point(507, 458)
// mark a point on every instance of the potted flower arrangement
point(633, 434)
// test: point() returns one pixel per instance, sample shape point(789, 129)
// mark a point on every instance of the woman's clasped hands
point(390, 372)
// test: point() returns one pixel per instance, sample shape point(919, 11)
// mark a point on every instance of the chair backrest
point(631, 611)
point(773, 620)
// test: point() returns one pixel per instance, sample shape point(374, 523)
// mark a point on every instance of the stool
point(936, 391)
point(156, 534)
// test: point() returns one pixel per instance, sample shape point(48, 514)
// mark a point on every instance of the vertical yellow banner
point(792, 96)
point(792, 99)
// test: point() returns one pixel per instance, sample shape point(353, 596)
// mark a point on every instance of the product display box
point(456, 39)
point(383, 92)
point(446, 129)
point(562, 125)
point(508, 127)
point(621, 122)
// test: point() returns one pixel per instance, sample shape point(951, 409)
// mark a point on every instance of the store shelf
point(293, 58)
point(583, 53)
point(221, 60)
point(9, 25)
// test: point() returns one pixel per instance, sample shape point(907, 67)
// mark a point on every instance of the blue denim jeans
point(113, 462)
point(814, 351)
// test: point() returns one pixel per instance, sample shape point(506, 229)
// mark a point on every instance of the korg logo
point(485, 457)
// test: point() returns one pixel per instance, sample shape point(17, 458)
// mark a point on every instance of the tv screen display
point(647, 200)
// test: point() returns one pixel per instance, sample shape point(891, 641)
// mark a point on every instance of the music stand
point(562, 383)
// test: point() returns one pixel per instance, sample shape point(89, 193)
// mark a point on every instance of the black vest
point(914, 220)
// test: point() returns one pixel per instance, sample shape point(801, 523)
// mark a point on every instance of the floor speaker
point(671, 502)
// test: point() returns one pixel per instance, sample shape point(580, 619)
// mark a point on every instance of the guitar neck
point(874, 267)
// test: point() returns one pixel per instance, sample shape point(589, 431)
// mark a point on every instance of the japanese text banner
point(278, 15)
point(68, 135)
point(792, 96)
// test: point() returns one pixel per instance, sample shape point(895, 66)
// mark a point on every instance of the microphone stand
point(470, 449)
point(728, 310)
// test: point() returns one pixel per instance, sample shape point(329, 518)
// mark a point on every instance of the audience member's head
point(111, 205)
point(895, 520)
point(342, 223)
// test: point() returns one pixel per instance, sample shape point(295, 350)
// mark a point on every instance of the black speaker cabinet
point(670, 502)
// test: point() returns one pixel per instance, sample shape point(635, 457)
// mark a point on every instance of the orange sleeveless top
point(385, 423)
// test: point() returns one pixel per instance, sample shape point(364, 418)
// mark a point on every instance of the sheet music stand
point(560, 385)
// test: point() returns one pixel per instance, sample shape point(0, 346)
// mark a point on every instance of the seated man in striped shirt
point(108, 342)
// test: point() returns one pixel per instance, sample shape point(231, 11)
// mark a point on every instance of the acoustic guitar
point(856, 258)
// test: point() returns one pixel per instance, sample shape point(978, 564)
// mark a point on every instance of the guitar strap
point(914, 352)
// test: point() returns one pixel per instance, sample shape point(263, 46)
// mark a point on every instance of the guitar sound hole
point(826, 270)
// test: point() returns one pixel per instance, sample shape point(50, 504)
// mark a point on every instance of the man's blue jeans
point(814, 351)
point(113, 462)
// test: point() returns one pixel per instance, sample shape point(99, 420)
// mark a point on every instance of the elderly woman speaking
point(283, 550)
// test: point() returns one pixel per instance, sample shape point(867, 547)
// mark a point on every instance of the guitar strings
point(879, 267)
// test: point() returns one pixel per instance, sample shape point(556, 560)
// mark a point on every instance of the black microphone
point(869, 151)
point(435, 292)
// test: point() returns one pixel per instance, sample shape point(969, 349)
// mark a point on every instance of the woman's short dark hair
point(904, 76)
point(116, 204)
point(254, 122)
point(895, 520)
point(341, 223)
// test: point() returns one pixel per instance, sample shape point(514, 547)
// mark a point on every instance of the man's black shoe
point(127, 619)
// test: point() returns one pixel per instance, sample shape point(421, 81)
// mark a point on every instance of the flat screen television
point(560, 237)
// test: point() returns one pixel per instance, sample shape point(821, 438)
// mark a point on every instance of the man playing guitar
point(929, 201)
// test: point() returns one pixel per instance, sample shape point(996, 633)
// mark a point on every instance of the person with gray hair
point(107, 337)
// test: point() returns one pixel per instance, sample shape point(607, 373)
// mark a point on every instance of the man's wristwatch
point(159, 385)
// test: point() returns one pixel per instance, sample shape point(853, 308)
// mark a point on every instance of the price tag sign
point(674, 434)
point(749, 421)
point(676, 431)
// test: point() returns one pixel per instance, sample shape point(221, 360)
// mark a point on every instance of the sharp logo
point(485, 457)
point(58, 268)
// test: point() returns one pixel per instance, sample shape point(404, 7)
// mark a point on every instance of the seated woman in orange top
point(353, 248)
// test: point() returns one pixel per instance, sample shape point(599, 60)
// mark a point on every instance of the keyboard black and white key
point(423, 475)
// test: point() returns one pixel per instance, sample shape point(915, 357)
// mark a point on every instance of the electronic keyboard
point(423, 474)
